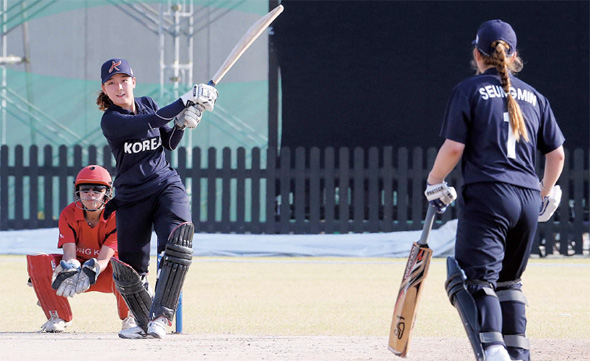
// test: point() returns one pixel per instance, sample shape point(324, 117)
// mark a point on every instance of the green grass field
point(314, 296)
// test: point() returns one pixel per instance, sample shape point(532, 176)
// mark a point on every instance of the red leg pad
point(40, 269)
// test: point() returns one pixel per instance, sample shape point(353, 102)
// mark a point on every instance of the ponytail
point(103, 101)
point(498, 59)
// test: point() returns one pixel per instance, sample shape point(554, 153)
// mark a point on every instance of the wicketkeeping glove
point(65, 278)
point(549, 204)
point(88, 275)
point(440, 196)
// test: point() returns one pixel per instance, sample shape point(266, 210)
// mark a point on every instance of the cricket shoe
point(157, 328)
point(128, 322)
point(132, 333)
point(55, 324)
point(497, 353)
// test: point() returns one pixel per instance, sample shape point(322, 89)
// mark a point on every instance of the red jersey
point(73, 228)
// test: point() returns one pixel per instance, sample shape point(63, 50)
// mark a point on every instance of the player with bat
point(149, 192)
point(495, 123)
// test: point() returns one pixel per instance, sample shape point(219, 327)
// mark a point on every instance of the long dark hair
point(103, 101)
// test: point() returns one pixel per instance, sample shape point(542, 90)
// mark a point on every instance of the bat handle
point(428, 222)
point(211, 82)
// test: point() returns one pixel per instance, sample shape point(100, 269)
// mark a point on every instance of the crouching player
point(88, 242)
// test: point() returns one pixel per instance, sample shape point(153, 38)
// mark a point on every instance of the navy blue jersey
point(477, 116)
point(137, 142)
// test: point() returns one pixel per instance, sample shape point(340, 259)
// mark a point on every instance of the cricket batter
point(149, 193)
point(89, 241)
point(495, 123)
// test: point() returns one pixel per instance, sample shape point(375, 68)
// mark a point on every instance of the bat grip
point(428, 222)
point(211, 82)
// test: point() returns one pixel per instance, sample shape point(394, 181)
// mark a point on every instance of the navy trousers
point(495, 234)
point(162, 212)
point(496, 231)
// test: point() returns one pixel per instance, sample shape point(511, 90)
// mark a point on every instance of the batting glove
point(440, 196)
point(188, 98)
point(549, 204)
point(192, 116)
point(65, 278)
point(206, 96)
point(202, 94)
point(179, 120)
point(88, 275)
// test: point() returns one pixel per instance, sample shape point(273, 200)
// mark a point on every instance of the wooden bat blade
point(406, 304)
point(244, 43)
point(408, 298)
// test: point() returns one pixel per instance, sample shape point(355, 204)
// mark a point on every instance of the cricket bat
point(244, 43)
point(241, 46)
point(406, 304)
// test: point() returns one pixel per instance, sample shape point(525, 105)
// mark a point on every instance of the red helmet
point(94, 174)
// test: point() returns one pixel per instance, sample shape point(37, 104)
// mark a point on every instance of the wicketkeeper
point(89, 242)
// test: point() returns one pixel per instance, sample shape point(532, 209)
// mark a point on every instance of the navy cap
point(491, 31)
point(114, 66)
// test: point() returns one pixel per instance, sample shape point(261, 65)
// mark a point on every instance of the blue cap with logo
point(491, 31)
point(114, 66)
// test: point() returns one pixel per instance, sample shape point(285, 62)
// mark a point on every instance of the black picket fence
point(309, 191)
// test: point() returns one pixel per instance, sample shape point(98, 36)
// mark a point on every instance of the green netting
point(63, 111)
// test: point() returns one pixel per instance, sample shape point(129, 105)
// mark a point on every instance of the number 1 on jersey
point(511, 142)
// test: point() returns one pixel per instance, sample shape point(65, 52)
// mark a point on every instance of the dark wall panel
point(364, 73)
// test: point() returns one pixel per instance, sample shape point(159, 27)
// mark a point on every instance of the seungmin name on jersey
point(496, 91)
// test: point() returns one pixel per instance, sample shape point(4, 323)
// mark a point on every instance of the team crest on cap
point(114, 66)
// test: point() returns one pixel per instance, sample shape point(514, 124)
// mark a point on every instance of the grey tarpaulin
point(394, 244)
